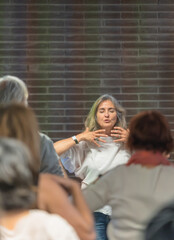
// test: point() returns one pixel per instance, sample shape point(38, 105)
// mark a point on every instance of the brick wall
point(71, 51)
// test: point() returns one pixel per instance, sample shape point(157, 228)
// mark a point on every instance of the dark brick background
point(71, 52)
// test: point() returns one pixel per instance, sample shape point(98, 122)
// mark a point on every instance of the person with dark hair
point(18, 196)
point(138, 189)
point(150, 131)
point(97, 150)
point(14, 90)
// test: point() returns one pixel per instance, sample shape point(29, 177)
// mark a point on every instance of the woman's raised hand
point(120, 133)
point(65, 144)
point(93, 136)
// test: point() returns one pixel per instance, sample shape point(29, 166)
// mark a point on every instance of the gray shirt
point(49, 157)
point(135, 193)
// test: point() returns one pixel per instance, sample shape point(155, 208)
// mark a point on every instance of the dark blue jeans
point(101, 223)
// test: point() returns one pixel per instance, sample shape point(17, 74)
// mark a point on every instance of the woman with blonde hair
point(97, 149)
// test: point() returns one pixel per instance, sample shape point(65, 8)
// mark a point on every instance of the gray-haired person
point(13, 89)
point(17, 197)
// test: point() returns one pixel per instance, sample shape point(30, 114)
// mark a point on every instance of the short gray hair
point(16, 176)
point(12, 89)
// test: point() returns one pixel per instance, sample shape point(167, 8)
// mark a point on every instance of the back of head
point(15, 175)
point(91, 121)
point(12, 89)
point(19, 122)
point(150, 130)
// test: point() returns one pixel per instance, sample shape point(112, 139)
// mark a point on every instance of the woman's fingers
point(97, 134)
point(94, 136)
point(120, 133)
point(120, 128)
point(100, 133)
point(120, 140)
point(96, 143)
point(101, 140)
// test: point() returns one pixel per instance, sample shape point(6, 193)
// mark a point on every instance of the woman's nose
point(106, 114)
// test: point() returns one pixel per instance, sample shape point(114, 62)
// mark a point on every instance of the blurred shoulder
point(44, 138)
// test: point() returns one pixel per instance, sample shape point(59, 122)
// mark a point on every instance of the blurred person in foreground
point(138, 189)
point(13, 89)
point(18, 196)
point(19, 122)
point(97, 150)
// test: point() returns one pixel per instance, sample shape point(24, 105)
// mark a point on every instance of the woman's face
point(106, 115)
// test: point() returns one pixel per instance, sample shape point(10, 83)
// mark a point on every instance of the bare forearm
point(84, 228)
point(63, 145)
point(87, 221)
point(81, 205)
point(52, 197)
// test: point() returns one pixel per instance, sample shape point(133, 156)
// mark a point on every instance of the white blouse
point(88, 161)
point(40, 225)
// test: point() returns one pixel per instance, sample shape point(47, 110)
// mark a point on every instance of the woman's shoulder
point(41, 216)
point(52, 224)
point(45, 216)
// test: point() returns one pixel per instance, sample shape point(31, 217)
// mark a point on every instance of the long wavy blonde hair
point(91, 120)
